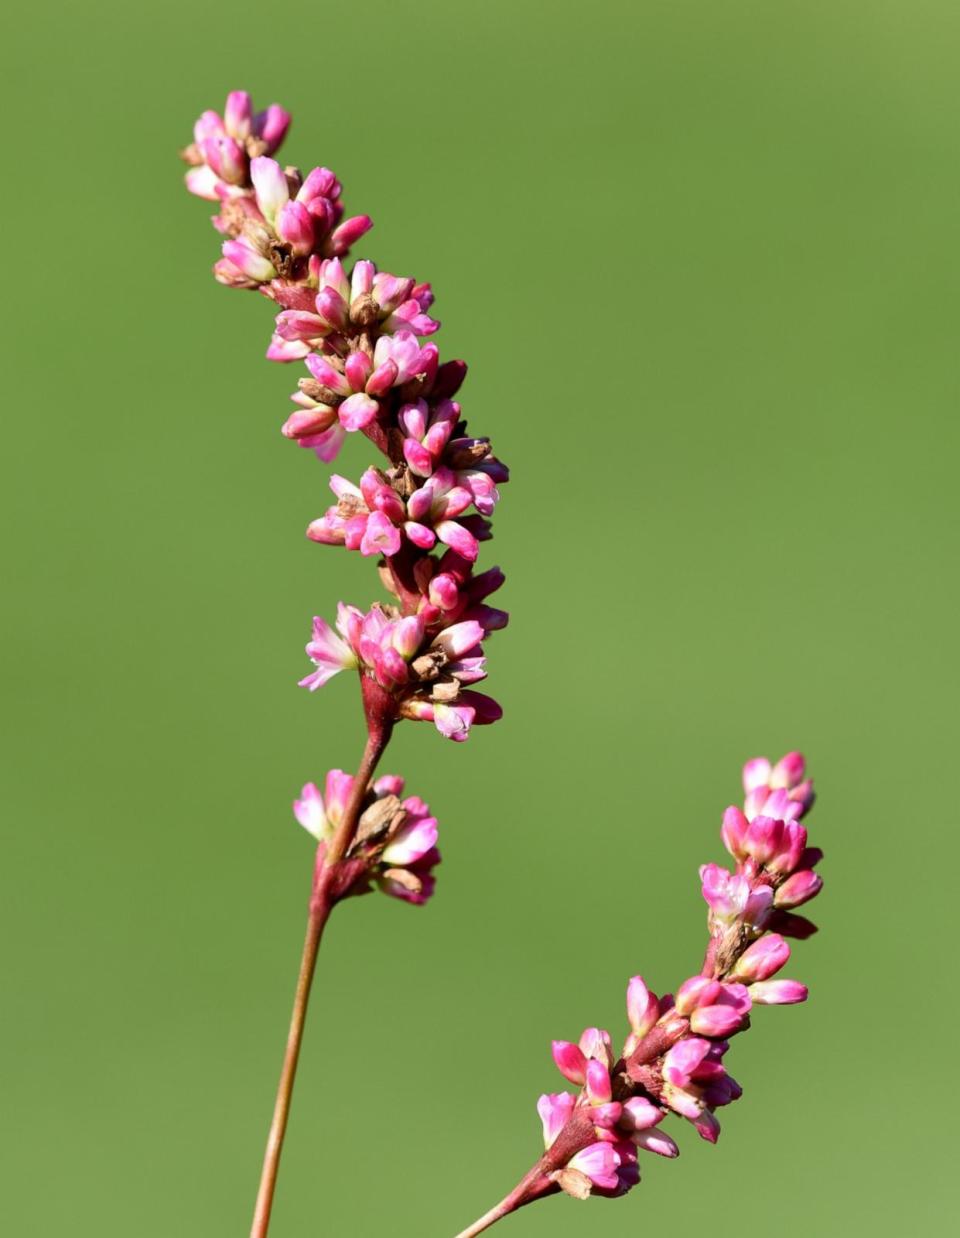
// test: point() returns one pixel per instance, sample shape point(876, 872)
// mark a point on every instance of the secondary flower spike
point(672, 1062)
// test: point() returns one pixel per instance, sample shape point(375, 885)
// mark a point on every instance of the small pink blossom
point(401, 857)
point(329, 653)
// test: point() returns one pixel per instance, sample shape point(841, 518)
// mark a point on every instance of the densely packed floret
point(673, 1059)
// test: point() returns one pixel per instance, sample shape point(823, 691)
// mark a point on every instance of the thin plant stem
point(530, 1187)
point(321, 904)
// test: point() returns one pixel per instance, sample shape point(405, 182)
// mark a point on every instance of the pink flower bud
point(697, 991)
point(733, 831)
point(639, 1114)
point(762, 839)
point(656, 1141)
point(598, 1083)
point(227, 158)
point(570, 1061)
point(271, 126)
point(707, 1126)
point(270, 184)
point(358, 411)
point(788, 771)
point(595, 1044)
point(761, 960)
point(458, 538)
point(778, 992)
point(382, 378)
point(798, 889)
point(642, 1007)
point(456, 640)
point(348, 233)
point(295, 227)
point(238, 114)
point(682, 1060)
point(248, 260)
point(756, 773)
point(357, 369)
point(309, 421)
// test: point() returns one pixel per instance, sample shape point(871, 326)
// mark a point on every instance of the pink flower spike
point(554, 1110)
point(570, 1061)
point(308, 810)
point(778, 992)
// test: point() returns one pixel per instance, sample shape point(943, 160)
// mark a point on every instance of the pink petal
point(412, 842)
point(570, 1061)
point(358, 411)
point(308, 810)
point(554, 1110)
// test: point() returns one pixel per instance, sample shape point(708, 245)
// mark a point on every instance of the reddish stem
point(322, 901)
point(533, 1185)
point(577, 1134)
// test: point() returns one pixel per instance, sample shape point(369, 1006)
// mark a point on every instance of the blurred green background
point(704, 261)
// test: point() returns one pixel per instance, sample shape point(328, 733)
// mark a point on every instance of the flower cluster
point(395, 845)
point(425, 509)
point(280, 225)
point(673, 1060)
point(425, 678)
